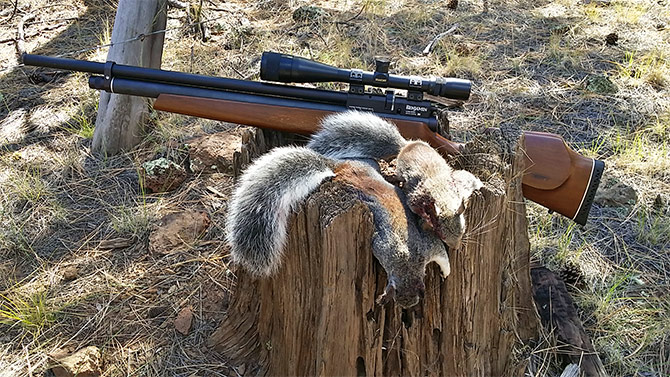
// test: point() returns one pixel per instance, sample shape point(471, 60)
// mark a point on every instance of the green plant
point(131, 220)
point(592, 12)
point(652, 228)
point(449, 62)
point(4, 102)
point(33, 312)
point(81, 122)
point(565, 239)
point(105, 36)
point(651, 68)
point(27, 184)
point(597, 146)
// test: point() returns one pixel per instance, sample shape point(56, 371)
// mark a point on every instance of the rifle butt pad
point(558, 177)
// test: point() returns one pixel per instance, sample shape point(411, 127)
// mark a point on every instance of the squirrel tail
point(357, 135)
point(268, 191)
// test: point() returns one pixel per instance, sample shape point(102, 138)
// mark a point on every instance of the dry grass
point(532, 64)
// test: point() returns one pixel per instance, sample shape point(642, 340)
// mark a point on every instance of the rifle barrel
point(188, 79)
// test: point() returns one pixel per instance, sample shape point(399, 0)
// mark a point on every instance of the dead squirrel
point(435, 191)
point(345, 150)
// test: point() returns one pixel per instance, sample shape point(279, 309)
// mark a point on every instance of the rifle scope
point(288, 68)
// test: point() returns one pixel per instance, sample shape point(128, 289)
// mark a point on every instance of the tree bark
point(559, 316)
point(318, 316)
point(121, 117)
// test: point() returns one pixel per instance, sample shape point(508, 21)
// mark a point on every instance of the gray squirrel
point(411, 224)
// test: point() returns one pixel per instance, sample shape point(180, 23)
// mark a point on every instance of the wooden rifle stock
point(556, 176)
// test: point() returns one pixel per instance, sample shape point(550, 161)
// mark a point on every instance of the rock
point(214, 303)
point(183, 321)
point(617, 195)
point(162, 175)
point(241, 369)
point(601, 85)
point(83, 363)
point(661, 204)
point(466, 48)
point(560, 29)
point(178, 229)
point(310, 13)
point(70, 273)
point(213, 153)
point(156, 311)
point(115, 243)
point(61, 352)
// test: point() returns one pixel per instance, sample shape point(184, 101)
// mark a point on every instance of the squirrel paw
point(387, 296)
point(443, 262)
point(405, 295)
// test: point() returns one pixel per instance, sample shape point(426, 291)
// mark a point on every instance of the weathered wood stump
point(318, 316)
point(120, 119)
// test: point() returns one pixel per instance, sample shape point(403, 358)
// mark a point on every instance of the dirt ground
point(75, 264)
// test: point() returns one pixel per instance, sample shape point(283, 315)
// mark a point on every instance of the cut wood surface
point(318, 316)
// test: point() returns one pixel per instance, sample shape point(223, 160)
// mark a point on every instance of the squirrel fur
point(435, 191)
point(345, 150)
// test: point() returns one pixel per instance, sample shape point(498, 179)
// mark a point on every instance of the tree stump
point(318, 316)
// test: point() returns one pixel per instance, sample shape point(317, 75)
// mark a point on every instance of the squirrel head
point(437, 217)
point(435, 191)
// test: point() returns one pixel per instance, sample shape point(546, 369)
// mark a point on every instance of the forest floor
point(75, 265)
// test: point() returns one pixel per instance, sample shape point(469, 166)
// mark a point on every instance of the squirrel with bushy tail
point(412, 224)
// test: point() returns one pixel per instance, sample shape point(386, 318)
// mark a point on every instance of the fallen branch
point(26, 36)
point(20, 42)
point(558, 314)
point(49, 21)
point(16, 8)
point(354, 17)
point(177, 4)
point(428, 48)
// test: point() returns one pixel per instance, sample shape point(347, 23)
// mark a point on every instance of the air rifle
point(556, 176)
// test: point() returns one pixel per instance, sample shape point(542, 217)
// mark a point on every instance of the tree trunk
point(318, 316)
point(121, 117)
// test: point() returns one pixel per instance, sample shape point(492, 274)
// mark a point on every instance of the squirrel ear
point(466, 182)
